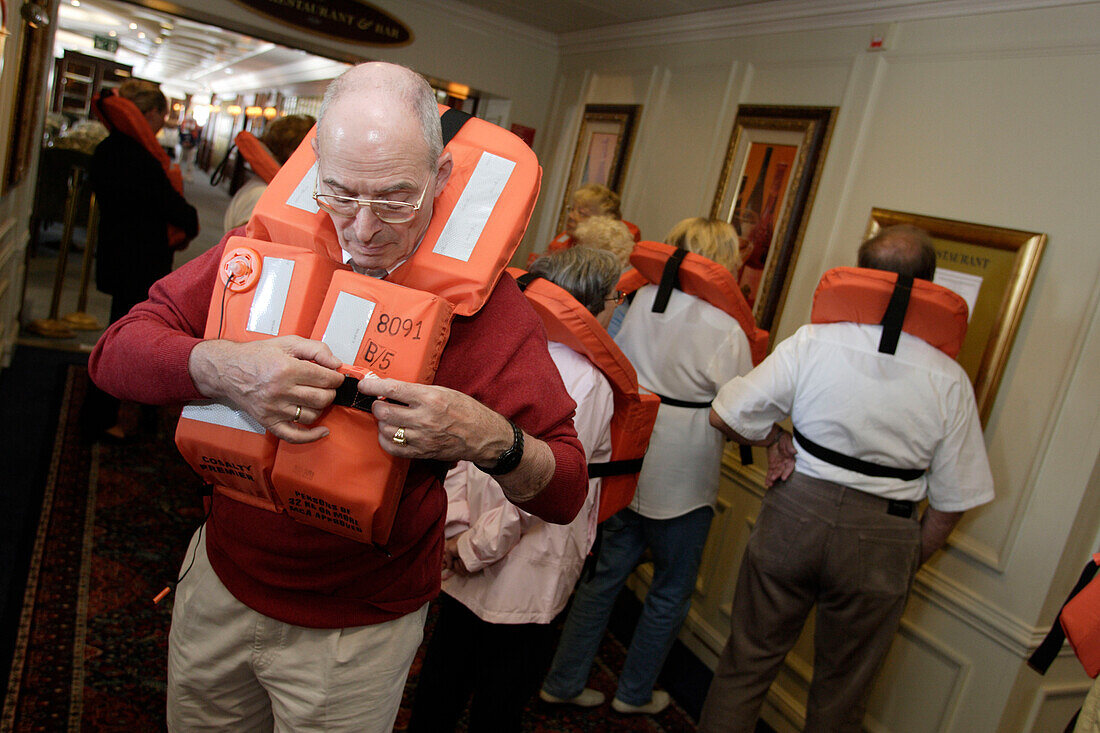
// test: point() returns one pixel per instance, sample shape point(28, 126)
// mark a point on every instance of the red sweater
point(305, 576)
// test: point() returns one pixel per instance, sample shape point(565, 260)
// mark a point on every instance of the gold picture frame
point(993, 269)
point(603, 149)
point(766, 190)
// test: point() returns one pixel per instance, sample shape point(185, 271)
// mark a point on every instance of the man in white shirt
point(831, 535)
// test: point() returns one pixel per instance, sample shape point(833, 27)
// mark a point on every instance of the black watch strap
point(510, 458)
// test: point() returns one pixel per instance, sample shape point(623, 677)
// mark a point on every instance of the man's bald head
point(904, 249)
point(381, 86)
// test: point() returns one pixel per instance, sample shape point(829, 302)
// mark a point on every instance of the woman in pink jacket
point(507, 573)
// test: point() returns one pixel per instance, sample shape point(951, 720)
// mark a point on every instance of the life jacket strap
point(452, 121)
point(525, 279)
point(670, 278)
point(348, 395)
point(894, 317)
point(855, 464)
point(614, 468)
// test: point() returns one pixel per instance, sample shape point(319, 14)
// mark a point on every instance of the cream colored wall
point(15, 204)
point(989, 119)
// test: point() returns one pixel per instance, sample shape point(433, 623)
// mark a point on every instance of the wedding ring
point(399, 436)
point(298, 413)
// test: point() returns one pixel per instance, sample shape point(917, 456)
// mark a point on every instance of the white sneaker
point(588, 698)
point(656, 704)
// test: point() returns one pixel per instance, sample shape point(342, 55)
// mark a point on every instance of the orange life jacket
point(346, 483)
point(264, 290)
point(256, 154)
point(630, 281)
point(669, 267)
point(568, 322)
point(481, 244)
point(899, 303)
point(478, 218)
point(861, 295)
point(123, 115)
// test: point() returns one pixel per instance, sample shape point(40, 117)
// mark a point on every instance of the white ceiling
point(198, 58)
point(568, 16)
point(186, 56)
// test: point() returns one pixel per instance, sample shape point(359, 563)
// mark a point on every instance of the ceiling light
point(133, 26)
point(233, 109)
point(270, 112)
point(253, 111)
point(76, 3)
point(112, 34)
point(141, 35)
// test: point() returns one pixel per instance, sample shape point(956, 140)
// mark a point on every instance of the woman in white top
point(507, 573)
point(685, 353)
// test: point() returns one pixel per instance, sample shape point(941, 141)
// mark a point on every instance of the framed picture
point(992, 268)
point(602, 151)
point(766, 191)
point(34, 63)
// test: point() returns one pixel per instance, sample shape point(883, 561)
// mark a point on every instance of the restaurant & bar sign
point(351, 20)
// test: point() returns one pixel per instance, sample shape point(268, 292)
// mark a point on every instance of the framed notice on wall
point(992, 268)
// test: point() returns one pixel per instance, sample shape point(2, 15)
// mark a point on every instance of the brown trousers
point(815, 542)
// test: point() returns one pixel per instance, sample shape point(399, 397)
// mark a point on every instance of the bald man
point(839, 534)
point(278, 623)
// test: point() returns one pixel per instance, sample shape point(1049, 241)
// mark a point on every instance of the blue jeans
point(677, 547)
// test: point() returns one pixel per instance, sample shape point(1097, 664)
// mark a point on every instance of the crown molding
point(511, 29)
point(783, 16)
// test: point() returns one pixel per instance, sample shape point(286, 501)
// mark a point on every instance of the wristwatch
point(510, 458)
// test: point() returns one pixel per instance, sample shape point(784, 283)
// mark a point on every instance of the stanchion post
point(81, 320)
point(52, 327)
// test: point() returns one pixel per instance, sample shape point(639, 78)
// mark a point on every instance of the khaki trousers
point(232, 669)
point(814, 543)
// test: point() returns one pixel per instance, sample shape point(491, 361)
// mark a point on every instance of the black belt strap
point(855, 464)
point(1044, 656)
point(452, 121)
point(525, 279)
point(348, 395)
point(670, 278)
point(745, 450)
point(894, 317)
point(614, 468)
point(681, 403)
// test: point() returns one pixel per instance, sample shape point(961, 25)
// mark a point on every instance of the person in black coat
point(137, 202)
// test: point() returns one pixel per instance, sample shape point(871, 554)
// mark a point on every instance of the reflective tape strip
point(218, 413)
point(302, 195)
point(347, 326)
point(474, 206)
point(266, 312)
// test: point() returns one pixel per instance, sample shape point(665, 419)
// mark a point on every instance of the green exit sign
point(105, 43)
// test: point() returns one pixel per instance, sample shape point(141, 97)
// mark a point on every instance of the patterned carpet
point(91, 646)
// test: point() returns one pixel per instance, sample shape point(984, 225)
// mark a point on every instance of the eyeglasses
point(391, 212)
point(619, 298)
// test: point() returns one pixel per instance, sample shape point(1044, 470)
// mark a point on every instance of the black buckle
point(899, 508)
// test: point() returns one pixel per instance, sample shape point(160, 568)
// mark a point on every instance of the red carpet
point(91, 647)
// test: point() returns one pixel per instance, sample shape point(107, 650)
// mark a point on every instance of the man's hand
point(438, 422)
point(935, 526)
point(285, 383)
point(445, 425)
point(781, 455)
